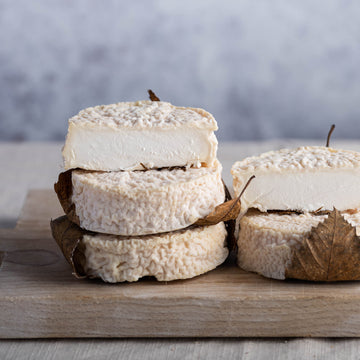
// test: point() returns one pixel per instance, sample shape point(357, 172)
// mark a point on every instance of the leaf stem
point(246, 185)
point(329, 135)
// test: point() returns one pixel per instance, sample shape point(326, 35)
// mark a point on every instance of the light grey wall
point(265, 69)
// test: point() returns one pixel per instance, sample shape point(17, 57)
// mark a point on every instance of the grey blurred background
point(265, 69)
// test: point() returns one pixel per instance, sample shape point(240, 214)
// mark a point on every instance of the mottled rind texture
point(266, 241)
point(170, 256)
point(145, 202)
point(144, 115)
point(305, 158)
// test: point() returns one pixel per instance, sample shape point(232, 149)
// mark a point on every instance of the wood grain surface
point(39, 297)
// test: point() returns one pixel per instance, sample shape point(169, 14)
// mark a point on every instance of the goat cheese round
point(145, 202)
point(305, 179)
point(170, 256)
point(266, 240)
point(125, 135)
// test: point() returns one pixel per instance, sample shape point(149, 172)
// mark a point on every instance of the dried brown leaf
point(297, 212)
point(331, 252)
point(230, 224)
point(63, 189)
point(68, 236)
point(228, 210)
point(152, 96)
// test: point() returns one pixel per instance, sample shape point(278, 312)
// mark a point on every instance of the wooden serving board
point(39, 297)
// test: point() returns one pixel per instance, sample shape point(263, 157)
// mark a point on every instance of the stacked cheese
point(141, 174)
point(304, 180)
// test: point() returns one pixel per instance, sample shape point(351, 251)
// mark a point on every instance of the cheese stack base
point(169, 256)
point(266, 240)
point(139, 223)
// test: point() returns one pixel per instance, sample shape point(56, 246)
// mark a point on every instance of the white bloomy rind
point(305, 179)
point(125, 135)
point(169, 256)
point(265, 241)
point(145, 202)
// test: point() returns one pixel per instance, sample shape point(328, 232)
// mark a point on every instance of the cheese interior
point(103, 148)
point(125, 135)
point(305, 179)
point(304, 191)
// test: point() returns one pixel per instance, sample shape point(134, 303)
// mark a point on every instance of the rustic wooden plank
point(40, 298)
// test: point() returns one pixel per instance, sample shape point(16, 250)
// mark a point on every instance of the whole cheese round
point(170, 256)
point(266, 240)
point(145, 202)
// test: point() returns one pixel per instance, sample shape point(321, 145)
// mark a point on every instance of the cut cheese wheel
point(145, 202)
point(169, 256)
point(266, 240)
point(304, 179)
point(130, 135)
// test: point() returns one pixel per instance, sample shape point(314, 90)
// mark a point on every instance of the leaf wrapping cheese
point(314, 247)
point(331, 252)
point(63, 189)
point(68, 236)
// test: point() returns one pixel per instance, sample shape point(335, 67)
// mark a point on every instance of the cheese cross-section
point(304, 179)
point(134, 135)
